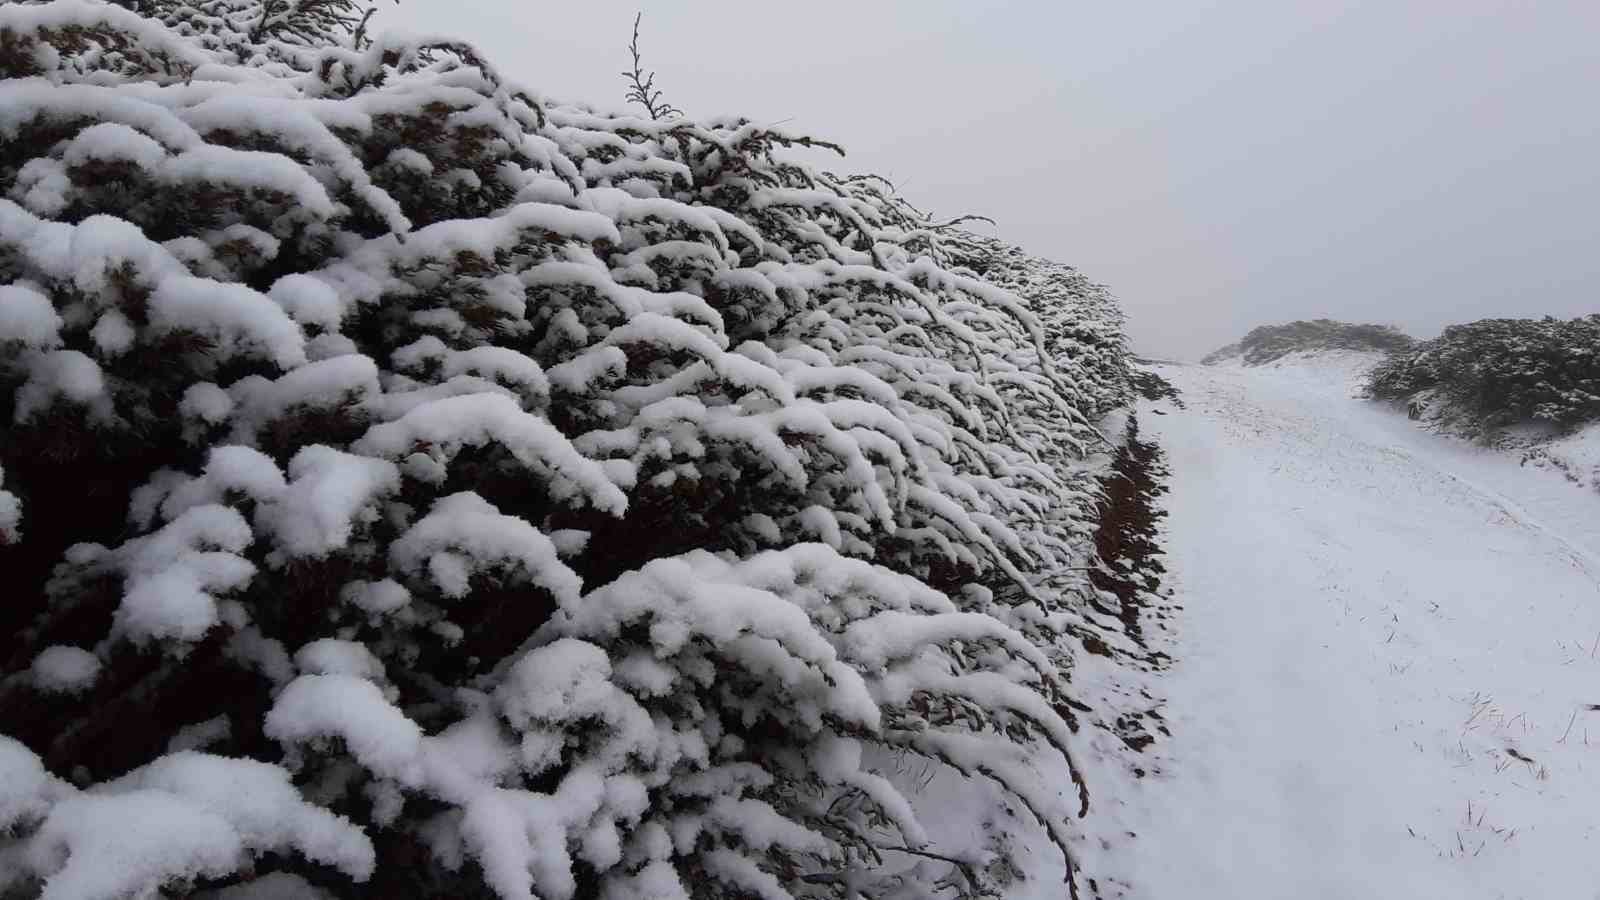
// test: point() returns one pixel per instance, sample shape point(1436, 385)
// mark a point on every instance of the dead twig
point(1564, 734)
point(641, 86)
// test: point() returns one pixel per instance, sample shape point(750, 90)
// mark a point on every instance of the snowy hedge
point(1268, 343)
point(411, 487)
point(1498, 372)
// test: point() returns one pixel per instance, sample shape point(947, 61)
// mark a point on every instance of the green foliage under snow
point(416, 488)
point(1494, 373)
point(1268, 343)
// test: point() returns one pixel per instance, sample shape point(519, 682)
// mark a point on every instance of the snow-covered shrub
point(414, 488)
point(1082, 322)
point(1493, 373)
point(1267, 343)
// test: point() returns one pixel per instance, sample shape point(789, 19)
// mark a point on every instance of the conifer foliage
point(1269, 343)
point(414, 488)
point(1493, 373)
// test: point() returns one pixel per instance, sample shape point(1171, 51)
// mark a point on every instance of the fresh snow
point(10, 514)
point(64, 669)
point(1385, 656)
point(194, 814)
point(573, 488)
point(27, 317)
point(1577, 456)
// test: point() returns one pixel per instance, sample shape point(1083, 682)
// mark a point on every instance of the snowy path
point(1379, 628)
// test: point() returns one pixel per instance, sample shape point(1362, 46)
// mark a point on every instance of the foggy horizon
point(1416, 165)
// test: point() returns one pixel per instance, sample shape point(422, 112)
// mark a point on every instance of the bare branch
point(641, 86)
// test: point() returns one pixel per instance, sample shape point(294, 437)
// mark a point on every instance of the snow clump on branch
point(507, 498)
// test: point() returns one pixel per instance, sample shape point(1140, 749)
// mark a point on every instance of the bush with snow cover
point(415, 488)
point(1269, 343)
point(1486, 375)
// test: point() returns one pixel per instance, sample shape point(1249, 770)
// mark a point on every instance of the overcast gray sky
point(1219, 164)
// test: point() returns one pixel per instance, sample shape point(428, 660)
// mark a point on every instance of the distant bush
point(1499, 372)
point(1271, 342)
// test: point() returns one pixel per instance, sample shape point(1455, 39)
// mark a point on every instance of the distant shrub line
point(1500, 372)
point(1269, 343)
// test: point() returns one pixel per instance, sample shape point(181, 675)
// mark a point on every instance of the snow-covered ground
point(1386, 657)
point(1576, 457)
